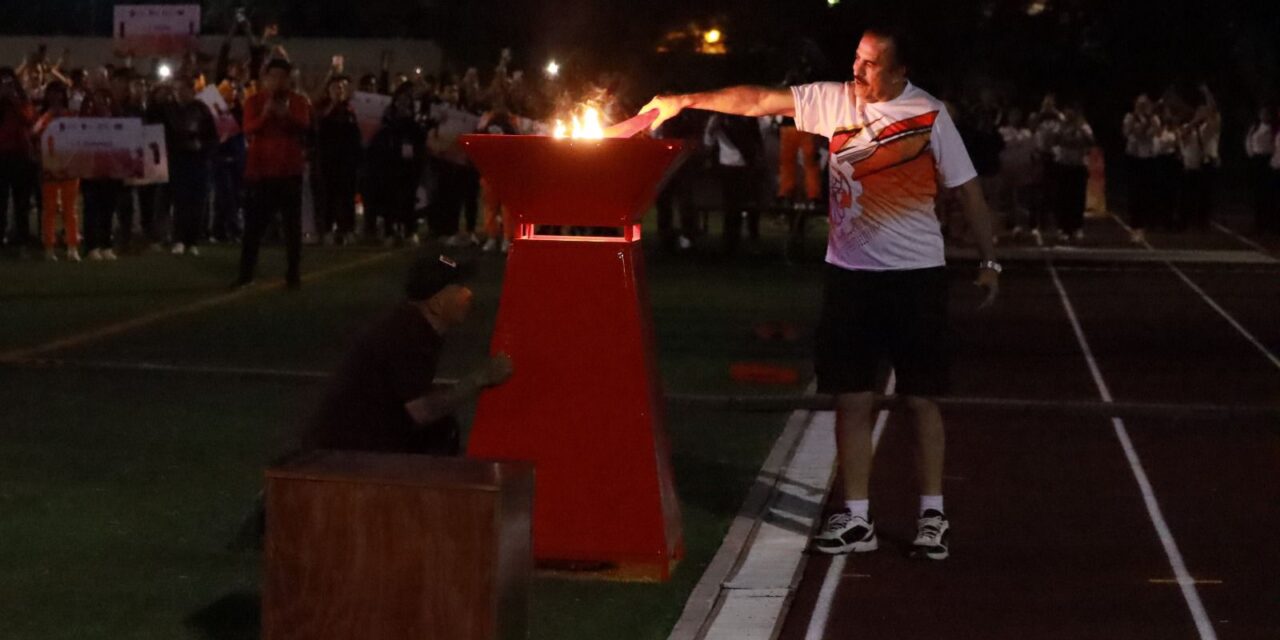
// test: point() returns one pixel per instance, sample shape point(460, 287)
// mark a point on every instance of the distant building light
point(832, 3)
point(1037, 7)
point(553, 69)
point(164, 72)
point(713, 36)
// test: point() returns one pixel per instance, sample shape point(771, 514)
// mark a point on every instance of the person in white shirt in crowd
point(892, 144)
point(458, 181)
point(1198, 142)
point(1141, 127)
point(1070, 147)
point(738, 151)
point(1019, 172)
point(1274, 224)
point(1167, 166)
point(1259, 147)
point(1045, 125)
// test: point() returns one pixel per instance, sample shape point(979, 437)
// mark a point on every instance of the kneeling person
point(383, 397)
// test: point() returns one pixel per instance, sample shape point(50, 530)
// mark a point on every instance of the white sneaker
point(845, 532)
point(489, 245)
point(453, 241)
point(932, 531)
point(73, 254)
point(95, 255)
point(506, 245)
point(473, 239)
point(684, 243)
point(108, 254)
point(193, 251)
point(178, 248)
point(50, 256)
point(414, 240)
point(1078, 236)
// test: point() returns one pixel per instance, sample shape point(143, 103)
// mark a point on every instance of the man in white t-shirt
point(891, 145)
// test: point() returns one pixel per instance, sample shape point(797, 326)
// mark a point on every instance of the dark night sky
point(1158, 40)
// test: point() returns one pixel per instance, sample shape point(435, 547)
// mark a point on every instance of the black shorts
point(870, 318)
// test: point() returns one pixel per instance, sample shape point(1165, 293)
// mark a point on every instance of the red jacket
point(16, 119)
point(276, 144)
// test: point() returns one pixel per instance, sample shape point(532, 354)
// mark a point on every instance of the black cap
point(431, 273)
point(278, 63)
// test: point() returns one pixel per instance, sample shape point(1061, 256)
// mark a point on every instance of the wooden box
point(374, 546)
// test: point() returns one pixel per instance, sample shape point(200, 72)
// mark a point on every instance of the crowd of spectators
point(1040, 165)
point(302, 166)
point(299, 154)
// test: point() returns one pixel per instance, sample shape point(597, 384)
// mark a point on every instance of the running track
point(1057, 529)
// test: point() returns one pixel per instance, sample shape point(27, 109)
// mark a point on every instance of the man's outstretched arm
point(743, 100)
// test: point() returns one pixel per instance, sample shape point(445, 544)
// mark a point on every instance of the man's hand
point(988, 279)
point(442, 402)
point(667, 106)
point(496, 371)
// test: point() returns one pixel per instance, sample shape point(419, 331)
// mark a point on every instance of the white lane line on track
point(1213, 304)
point(1227, 316)
point(1250, 243)
point(1185, 581)
point(817, 629)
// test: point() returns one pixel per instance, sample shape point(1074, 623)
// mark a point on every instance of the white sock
point(931, 502)
point(858, 507)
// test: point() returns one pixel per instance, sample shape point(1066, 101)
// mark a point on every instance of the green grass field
point(119, 489)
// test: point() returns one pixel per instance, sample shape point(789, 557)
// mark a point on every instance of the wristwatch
point(990, 264)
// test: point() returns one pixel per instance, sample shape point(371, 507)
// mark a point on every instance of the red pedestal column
point(585, 403)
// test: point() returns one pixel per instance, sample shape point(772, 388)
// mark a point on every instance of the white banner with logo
point(147, 30)
point(94, 148)
point(222, 116)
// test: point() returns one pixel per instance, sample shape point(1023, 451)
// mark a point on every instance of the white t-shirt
point(1139, 135)
point(1275, 154)
point(1017, 159)
point(887, 159)
point(1260, 141)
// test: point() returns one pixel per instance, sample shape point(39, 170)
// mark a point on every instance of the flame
point(585, 124)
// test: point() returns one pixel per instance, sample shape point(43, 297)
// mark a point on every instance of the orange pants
point(62, 192)
point(493, 210)
point(792, 141)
